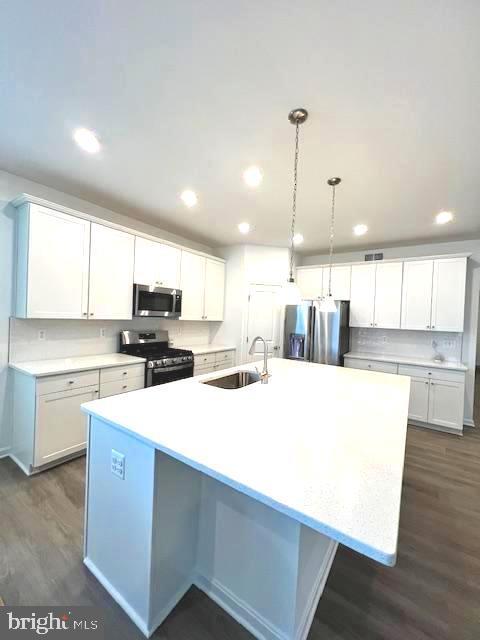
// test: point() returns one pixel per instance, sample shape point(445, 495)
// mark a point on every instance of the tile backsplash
point(45, 339)
point(407, 343)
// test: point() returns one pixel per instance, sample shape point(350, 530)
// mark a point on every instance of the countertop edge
point(17, 366)
point(387, 558)
point(367, 355)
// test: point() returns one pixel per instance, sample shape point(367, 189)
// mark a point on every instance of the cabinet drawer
point(116, 387)
point(204, 359)
point(226, 364)
point(371, 365)
point(431, 373)
point(200, 370)
point(122, 373)
point(224, 356)
point(65, 381)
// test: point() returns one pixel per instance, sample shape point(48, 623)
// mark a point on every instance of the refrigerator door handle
point(310, 333)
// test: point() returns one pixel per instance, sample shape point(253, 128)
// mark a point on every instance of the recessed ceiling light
point(87, 140)
point(253, 176)
point(297, 239)
point(244, 227)
point(189, 198)
point(360, 229)
point(443, 217)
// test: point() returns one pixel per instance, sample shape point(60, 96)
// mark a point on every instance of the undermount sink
point(234, 380)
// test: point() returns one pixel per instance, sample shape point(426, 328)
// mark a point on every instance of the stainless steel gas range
point(164, 364)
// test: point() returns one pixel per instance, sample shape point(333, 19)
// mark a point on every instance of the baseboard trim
point(168, 608)
point(307, 616)
point(469, 423)
point(119, 599)
point(434, 427)
point(25, 469)
point(258, 626)
point(4, 452)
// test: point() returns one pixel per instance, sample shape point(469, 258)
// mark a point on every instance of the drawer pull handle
point(124, 386)
point(96, 391)
point(71, 381)
point(125, 373)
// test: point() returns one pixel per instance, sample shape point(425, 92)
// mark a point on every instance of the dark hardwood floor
point(433, 593)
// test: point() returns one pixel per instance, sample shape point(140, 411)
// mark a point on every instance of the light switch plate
point(118, 464)
point(103, 332)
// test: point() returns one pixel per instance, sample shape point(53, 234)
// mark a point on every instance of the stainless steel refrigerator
point(315, 336)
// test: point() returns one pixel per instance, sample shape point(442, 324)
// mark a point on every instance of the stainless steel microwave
point(156, 301)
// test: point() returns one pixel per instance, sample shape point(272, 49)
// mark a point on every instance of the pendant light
point(291, 290)
point(327, 303)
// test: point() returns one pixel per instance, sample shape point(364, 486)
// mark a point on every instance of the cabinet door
point(309, 282)
point(388, 295)
point(341, 277)
point(445, 407)
point(111, 274)
point(418, 405)
point(156, 263)
point(214, 289)
point(448, 297)
point(60, 427)
point(417, 294)
point(192, 284)
point(58, 254)
point(362, 296)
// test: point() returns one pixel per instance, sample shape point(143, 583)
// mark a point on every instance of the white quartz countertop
point(39, 368)
point(198, 349)
point(419, 362)
point(324, 445)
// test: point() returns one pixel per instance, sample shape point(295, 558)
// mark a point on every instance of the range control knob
point(150, 364)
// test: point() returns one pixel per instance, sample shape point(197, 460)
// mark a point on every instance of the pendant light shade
point(327, 304)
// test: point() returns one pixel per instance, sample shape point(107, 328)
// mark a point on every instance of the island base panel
point(166, 526)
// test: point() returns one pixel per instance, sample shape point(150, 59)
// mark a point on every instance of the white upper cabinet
point(192, 284)
point(309, 282)
point(417, 294)
point(362, 295)
point(111, 274)
point(52, 269)
point(388, 295)
point(202, 281)
point(434, 294)
point(156, 264)
point(448, 294)
point(214, 288)
point(341, 276)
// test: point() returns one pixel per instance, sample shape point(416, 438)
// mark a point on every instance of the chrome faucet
point(264, 376)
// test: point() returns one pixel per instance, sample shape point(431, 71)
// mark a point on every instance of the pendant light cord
point(294, 203)
point(332, 225)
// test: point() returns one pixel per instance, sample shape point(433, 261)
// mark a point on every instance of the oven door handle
point(177, 368)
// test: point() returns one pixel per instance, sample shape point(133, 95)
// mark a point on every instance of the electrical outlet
point(103, 332)
point(42, 334)
point(118, 464)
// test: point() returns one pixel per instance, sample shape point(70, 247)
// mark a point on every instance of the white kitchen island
point(243, 492)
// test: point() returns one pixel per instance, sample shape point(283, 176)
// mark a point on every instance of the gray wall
point(10, 187)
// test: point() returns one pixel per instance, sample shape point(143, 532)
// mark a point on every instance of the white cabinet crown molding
point(439, 256)
point(26, 198)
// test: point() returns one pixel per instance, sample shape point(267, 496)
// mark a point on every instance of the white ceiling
point(188, 94)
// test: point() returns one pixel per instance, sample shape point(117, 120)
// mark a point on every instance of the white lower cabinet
point(211, 362)
point(437, 396)
point(445, 404)
point(48, 424)
point(60, 428)
point(418, 405)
